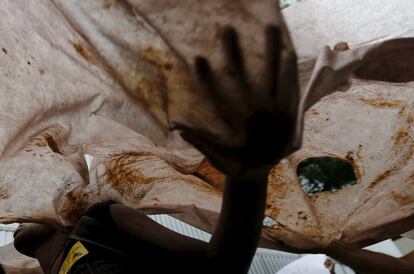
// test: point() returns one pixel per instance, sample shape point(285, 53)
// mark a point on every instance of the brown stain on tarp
point(382, 103)
point(313, 111)
point(83, 51)
point(87, 53)
point(212, 176)
point(76, 203)
point(168, 66)
point(156, 56)
point(277, 190)
point(4, 50)
point(402, 199)
point(401, 136)
point(47, 141)
point(123, 174)
point(154, 84)
point(153, 91)
point(108, 4)
point(403, 162)
point(382, 177)
point(40, 142)
point(4, 193)
point(196, 183)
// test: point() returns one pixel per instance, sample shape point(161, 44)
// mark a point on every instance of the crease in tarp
point(368, 125)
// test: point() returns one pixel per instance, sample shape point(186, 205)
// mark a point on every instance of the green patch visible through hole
point(322, 174)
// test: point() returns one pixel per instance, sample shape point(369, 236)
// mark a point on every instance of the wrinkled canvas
point(107, 78)
point(369, 125)
point(15, 263)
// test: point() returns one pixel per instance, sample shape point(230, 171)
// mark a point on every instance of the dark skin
point(368, 262)
point(360, 260)
point(262, 121)
point(41, 242)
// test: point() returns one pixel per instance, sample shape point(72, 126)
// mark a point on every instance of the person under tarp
point(360, 260)
point(112, 238)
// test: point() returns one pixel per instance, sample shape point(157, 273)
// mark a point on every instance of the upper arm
point(143, 228)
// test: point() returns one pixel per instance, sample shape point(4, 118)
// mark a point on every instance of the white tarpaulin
point(105, 78)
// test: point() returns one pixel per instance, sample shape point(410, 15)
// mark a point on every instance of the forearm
point(367, 262)
point(237, 233)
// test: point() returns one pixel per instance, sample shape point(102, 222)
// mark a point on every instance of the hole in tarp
point(322, 174)
point(52, 144)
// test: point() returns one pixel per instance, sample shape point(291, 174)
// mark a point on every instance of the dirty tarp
point(369, 125)
point(16, 263)
point(105, 78)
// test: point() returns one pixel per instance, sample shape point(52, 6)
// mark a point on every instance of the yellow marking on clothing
point(75, 254)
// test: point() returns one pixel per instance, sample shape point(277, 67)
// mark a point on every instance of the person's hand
point(260, 117)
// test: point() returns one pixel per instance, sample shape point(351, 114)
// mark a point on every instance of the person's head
point(29, 237)
point(43, 242)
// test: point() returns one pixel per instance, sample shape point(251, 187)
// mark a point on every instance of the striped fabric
point(265, 261)
point(6, 233)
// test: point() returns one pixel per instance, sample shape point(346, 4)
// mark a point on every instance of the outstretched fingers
point(206, 77)
point(212, 89)
point(288, 92)
point(282, 75)
point(273, 55)
point(234, 54)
